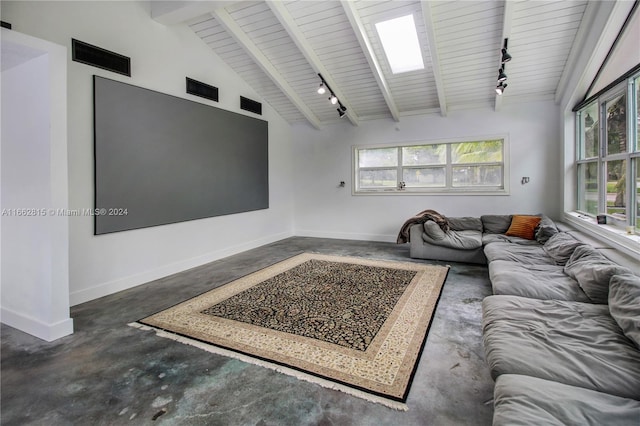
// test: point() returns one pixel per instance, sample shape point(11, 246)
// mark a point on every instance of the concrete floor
point(108, 373)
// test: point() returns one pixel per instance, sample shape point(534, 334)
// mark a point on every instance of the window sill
point(393, 191)
point(612, 235)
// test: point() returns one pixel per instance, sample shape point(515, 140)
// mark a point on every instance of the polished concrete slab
point(108, 373)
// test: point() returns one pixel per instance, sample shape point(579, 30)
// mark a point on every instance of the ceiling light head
point(341, 112)
point(333, 99)
point(505, 56)
point(501, 75)
point(343, 108)
point(321, 89)
point(500, 88)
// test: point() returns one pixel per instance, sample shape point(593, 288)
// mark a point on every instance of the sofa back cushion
point(465, 223)
point(624, 304)
point(593, 272)
point(495, 224)
point(461, 240)
point(560, 247)
point(545, 230)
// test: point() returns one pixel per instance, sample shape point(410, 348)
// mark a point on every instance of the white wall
point(323, 159)
point(35, 251)
point(161, 57)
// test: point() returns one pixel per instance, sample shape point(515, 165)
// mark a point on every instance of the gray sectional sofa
point(562, 329)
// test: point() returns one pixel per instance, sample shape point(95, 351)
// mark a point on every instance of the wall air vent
point(203, 90)
point(250, 105)
point(101, 58)
point(5, 25)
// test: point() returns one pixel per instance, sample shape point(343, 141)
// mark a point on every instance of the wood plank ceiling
point(279, 47)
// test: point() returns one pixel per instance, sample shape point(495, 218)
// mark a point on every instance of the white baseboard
point(105, 289)
point(346, 236)
point(35, 327)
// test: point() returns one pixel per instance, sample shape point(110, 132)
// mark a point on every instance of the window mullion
point(400, 172)
point(448, 178)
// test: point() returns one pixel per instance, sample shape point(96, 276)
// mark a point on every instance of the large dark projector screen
point(162, 159)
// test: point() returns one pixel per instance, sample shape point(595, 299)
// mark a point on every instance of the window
point(636, 191)
point(608, 156)
point(635, 185)
point(450, 167)
point(588, 144)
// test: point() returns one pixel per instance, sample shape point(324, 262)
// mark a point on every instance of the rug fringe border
point(279, 368)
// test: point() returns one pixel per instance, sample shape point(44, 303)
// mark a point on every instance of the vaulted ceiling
point(280, 47)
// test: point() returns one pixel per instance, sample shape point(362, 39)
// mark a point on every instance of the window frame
point(448, 166)
point(631, 157)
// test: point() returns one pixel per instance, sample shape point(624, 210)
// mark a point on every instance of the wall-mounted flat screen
point(161, 159)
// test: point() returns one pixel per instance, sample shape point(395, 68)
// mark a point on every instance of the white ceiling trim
point(435, 58)
point(225, 19)
point(367, 49)
point(286, 20)
point(506, 32)
point(576, 50)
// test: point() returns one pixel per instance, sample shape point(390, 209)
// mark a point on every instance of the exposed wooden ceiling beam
point(507, 19)
point(225, 19)
point(435, 58)
point(179, 11)
point(367, 49)
point(286, 20)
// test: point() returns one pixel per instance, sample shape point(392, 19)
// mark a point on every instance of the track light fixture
point(502, 77)
point(505, 56)
point(342, 110)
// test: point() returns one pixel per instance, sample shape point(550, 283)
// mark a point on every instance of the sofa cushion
point(492, 238)
point(560, 247)
point(535, 281)
point(545, 230)
point(624, 304)
point(574, 343)
point(524, 400)
point(463, 240)
point(523, 226)
point(465, 223)
point(520, 253)
point(593, 272)
point(495, 224)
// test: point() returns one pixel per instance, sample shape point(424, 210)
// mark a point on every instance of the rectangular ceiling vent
point(96, 56)
point(203, 90)
point(250, 105)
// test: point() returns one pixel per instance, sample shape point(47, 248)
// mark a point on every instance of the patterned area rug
point(352, 324)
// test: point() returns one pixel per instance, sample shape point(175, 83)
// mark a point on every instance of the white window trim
point(616, 232)
point(466, 191)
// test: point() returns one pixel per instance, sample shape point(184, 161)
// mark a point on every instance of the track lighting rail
point(502, 76)
point(322, 89)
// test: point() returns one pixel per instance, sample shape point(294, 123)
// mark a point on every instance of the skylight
point(400, 42)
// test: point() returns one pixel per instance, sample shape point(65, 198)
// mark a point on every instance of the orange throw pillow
point(523, 226)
